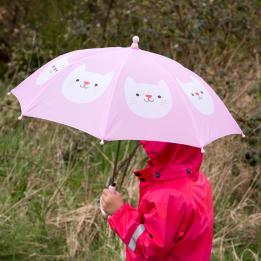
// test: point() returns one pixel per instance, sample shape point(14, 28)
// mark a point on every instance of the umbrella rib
point(113, 93)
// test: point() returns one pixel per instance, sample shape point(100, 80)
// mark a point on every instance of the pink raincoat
point(174, 219)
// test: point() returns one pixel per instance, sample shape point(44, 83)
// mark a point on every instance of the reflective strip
point(135, 236)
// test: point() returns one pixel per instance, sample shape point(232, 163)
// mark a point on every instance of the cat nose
point(86, 82)
point(148, 96)
point(197, 93)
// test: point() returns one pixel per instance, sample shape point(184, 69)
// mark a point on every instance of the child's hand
point(111, 201)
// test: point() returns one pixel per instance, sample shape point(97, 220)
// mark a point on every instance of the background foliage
point(51, 176)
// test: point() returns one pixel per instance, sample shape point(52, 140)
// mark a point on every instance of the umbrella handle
point(112, 189)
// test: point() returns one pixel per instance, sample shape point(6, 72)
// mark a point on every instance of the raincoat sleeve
point(154, 233)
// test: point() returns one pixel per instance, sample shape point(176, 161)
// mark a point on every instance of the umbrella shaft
point(115, 170)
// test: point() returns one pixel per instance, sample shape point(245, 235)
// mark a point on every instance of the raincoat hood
point(164, 155)
point(171, 153)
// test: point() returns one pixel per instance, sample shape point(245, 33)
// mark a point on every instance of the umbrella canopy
point(126, 94)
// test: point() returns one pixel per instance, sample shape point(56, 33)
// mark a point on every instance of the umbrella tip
point(243, 135)
point(202, 150)
point(135, 42)
point(20, 117)
point(102, 142)
point(9, 93)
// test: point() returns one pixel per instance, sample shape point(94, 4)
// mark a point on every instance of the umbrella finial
point(20, 117)
point(135, 42)
point(102, 142)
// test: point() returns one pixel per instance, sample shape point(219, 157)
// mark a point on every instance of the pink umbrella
point(126, 94)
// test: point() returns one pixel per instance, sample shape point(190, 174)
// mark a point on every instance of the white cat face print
point(148, 100)
point(52, 69)
point(198, 95)
point(82, 86)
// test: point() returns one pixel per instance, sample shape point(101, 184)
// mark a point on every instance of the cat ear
point(180, 83)
point(129, 82)
point(163, 84)
point(79, 68)
point(108, 76)
point(195, 79)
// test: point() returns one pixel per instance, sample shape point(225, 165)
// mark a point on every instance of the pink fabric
point(145, 96)
point(175, 207)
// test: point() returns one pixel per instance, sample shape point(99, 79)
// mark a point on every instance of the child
point(174, 218)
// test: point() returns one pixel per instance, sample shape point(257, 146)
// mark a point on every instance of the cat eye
point(201, 92)
point(96, 84)
point(192, 94)
point(159, 96)
point(77, 80)
point(137, 94)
